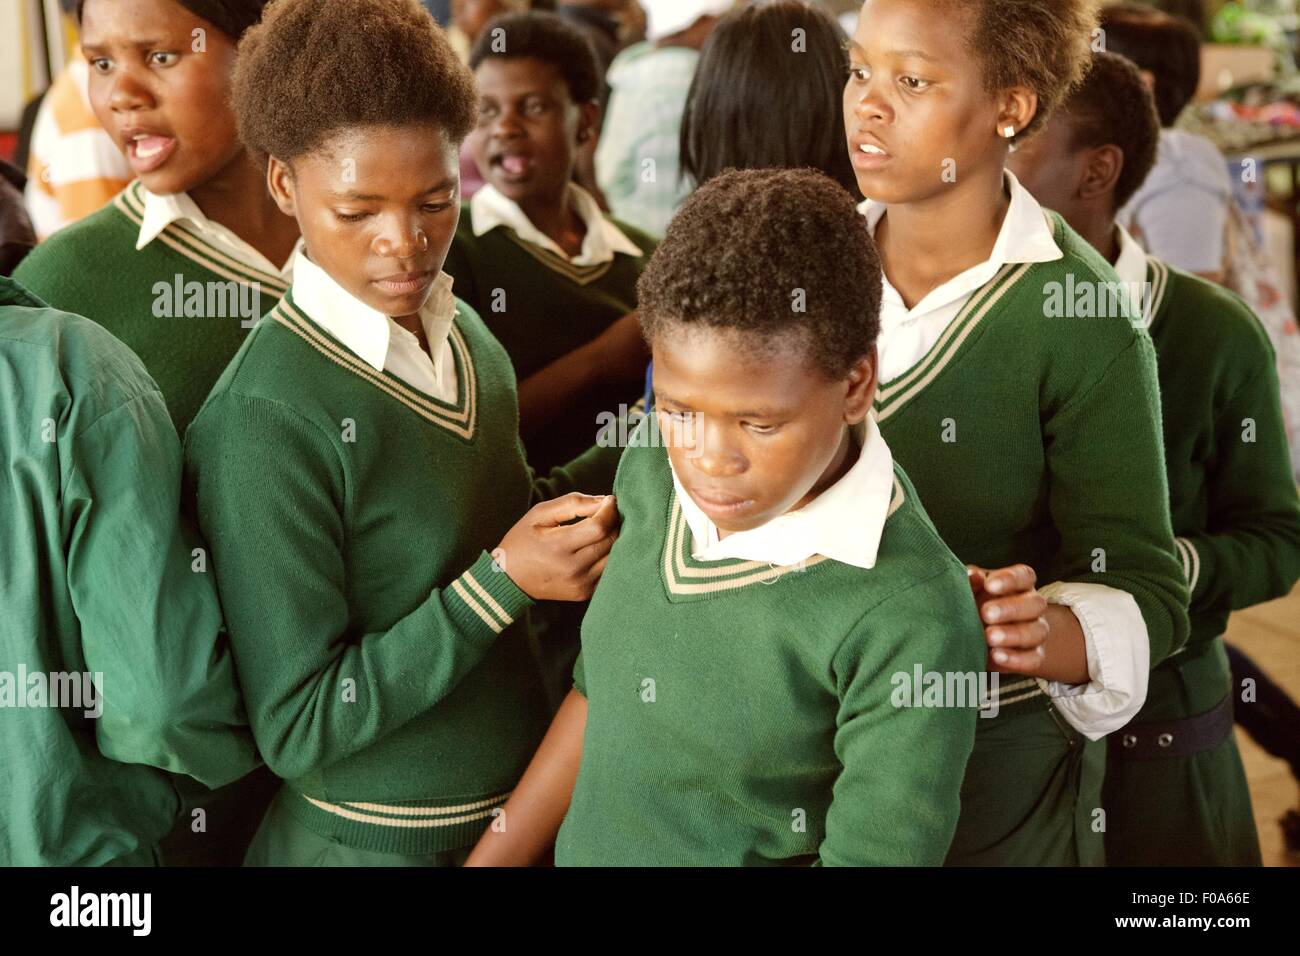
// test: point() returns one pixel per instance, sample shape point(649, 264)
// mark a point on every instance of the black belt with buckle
point(1174, 738)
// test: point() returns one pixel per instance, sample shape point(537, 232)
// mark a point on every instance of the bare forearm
point(532, 816)
point(547, 393)
point(618, 354)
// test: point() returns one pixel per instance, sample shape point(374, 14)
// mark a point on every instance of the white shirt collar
point(843, 523)
point(362, 329)
point(162, 209)
point(490, 208)
point(1025, 236)
point(1131, 266)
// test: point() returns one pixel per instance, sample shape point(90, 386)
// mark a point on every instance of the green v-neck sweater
point(385, 661)
point(181, 304)
point(741, 713)
point(1232, 495)
point(1034, 436)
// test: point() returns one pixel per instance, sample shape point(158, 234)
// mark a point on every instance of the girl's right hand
point(550, 556)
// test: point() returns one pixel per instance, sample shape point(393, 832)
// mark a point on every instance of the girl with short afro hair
point(358, 469)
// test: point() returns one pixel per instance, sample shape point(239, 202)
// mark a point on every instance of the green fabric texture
point(92, 268)
point(741, 713)
point(282, 840)
point(98, 576)
point(1236, 513)
point(385, 659)
point(1237, 519)
point(1031, 794)
point(541, 307)
point(1033, 438)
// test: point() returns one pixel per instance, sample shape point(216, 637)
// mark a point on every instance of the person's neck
point(1097, 227)
point(413, 325)
point(556, 217)
point(924, 244)
point(238, 199)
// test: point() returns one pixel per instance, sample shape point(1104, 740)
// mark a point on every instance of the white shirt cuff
point(1119, 658)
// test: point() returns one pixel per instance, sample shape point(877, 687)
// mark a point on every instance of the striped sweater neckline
point(183, 238)
point(459, 417)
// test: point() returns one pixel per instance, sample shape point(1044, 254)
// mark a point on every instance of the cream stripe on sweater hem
point(347, 813)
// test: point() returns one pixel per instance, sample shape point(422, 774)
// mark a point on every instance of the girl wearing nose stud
point(1030, 428)
point(360, 456)
point(187, 257)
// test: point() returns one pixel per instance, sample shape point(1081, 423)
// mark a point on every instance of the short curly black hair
point(1044, 45)
point(546, 37)
point(1114, 106)
point(1166, 45)
point(312, 68)
point(767, 253)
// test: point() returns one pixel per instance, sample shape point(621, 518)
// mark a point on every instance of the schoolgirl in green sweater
point(1175, 790)
point(186, 258)
point(551, 274)
point(360, 457)
point(1031, 430)
point(759, 665)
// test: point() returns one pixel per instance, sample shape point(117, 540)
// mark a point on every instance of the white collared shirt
point(907, 334)
point(376, 337)
point(1115, 635)
point(843, 523)
point(1131, 266)
point(489, 208)
point(161, 210)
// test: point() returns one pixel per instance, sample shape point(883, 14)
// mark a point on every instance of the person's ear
point(1019, 106)
point(861, 388)
point(588, 121)
point(279, 181)
point(1101, 172)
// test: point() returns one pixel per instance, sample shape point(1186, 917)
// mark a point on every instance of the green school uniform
point(112, 669)
point(541, 307)
point(181, 304)
point(1236, 514)
point(385, 659)
point(1036, 439)
point(184, 306)
point(745, 713)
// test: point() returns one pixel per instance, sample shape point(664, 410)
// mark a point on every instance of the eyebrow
point(918, 54)
point(855, 48)
point(662, 399)
point(98, 47)
point(375, 197)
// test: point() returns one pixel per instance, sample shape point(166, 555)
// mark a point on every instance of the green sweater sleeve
point(146, 602)
point(1109, 493)
point(270, 494)
point(591, 473)
point(897, 797)
point(1250, 552)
